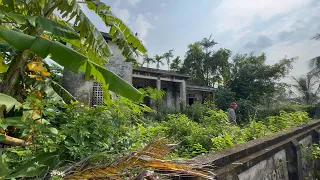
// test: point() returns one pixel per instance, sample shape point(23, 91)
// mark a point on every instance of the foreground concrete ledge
point(241, 161)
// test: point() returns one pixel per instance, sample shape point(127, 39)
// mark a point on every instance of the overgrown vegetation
point(44, 131)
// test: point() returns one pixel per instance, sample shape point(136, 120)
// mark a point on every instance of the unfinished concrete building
point(178, 92)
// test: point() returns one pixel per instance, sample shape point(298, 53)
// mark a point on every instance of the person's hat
point(233, 104)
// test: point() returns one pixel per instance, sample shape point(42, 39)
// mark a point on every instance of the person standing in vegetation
point(232, 114)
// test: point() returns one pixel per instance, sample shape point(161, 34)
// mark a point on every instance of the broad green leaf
point(9, 102)
point(11, 121)
point(56, 28)
point(5, 47)
point(2, 137)
point(70, 59)
point(4, 169)
point(50, 92)
point(118, 30)
point(46, 24)
point(53, 130)
point(93, 38)
point(62, 92)
point(3, 67)
point(30, 169)
point(18, 18)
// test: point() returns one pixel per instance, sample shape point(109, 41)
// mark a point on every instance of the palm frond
point(316, 37)
point(149, 157)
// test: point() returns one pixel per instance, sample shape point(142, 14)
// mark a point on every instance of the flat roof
point(200, 88)
point(160, 72)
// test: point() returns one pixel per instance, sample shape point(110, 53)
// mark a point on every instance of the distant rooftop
point(161, 72)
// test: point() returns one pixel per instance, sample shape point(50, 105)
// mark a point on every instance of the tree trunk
point(11, 78)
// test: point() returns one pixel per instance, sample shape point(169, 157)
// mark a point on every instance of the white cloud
point(305, 50)
point(148, 14)
point(155, 17)
point(123, 14)
point(301, 23)
point(162, 5)
point(237, 14)
point(133, 2)
point(116, 4)
point(141, 26)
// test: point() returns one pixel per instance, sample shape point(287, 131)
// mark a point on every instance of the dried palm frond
point(151, 156)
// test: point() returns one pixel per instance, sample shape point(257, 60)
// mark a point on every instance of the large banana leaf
point(118, 30)
point(93, 38)
point(69, 59)
point(46, 24)
point(128, 41)
point(50, 92)
point(63, 93)
point(9, 102)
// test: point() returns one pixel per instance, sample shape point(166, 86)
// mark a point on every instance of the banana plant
point(35, 29)
point(31, 31)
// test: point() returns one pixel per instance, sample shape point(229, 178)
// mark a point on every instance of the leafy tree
point(167, 56)
point(158, 59)
point(223, 98)
point(223, 66)
point(206, 66)
point(307, 89)
point(314, 65)
point(280, 97)
point(175, 65)
point(31, 31)
point(148, 60)
point(193, 63)
point(251, 78)
point(207, 43)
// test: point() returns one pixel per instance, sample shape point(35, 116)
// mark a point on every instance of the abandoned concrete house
point(178, 91)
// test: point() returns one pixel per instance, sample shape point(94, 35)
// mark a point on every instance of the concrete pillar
point(158, 84)
point(294, 164)
point(183, 93)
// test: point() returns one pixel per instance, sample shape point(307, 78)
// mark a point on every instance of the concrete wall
point(280, 156)
point(272, 168)
point(77, 86)
point(197, 95)
point(118, 65)
point(82, 90)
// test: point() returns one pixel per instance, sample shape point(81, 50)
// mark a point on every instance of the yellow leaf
point(37, 93)
point(34, 76)
point(37, 66)
point(45, 73)
point(46, 36)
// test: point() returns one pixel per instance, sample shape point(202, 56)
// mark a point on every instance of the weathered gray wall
point(280, 156)
point(82, 90)
point(118, 65)
point(272, 168)
point(77, 86)
point(198, 95)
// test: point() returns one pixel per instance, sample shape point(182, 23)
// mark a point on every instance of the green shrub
point(221, 142)
point(287, 120)
point(180, 126)
point(254, 130)
point(196, 111)
point(223, 97)
point(264, 112)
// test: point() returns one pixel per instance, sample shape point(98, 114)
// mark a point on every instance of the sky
point(280, 28)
